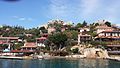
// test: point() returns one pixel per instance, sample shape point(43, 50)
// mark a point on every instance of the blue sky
point(33, 13)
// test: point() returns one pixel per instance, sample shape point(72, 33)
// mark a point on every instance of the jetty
point(114, 58)
point(15, 57)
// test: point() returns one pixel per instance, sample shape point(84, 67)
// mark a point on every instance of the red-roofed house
point(40, 40)
point(8, 40)
point(4, 40)
point(109, 35)
point(112, 38)
point(29, 46)
point(103, 27)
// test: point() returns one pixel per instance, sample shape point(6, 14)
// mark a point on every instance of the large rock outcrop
point(95, 53)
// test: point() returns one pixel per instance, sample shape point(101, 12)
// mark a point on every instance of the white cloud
point(58, 8)
point(112, 12)
point(73, 8)
point(89, 7)
point(22, 18)
point(15, 16)
point(90, 10)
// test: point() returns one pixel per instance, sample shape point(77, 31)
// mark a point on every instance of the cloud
point(22, 18)
point(113, 12)
point(89, 7)
point(100, 9)
point(89, 10)
point(58, 8)
point(73, 9)
point(64, 9)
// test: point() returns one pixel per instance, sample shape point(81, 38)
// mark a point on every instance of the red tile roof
point(105, 27)
point(29, 44)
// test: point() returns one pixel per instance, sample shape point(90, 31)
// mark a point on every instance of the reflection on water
point(92, 63)
point(59, 63)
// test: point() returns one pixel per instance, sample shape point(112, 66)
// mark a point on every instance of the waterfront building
point(84, 38)
point(40, 41)
point(9, 41)
point(30, 46)
point(112, 40)
point(108, 36)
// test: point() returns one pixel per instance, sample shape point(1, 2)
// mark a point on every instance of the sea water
point(59, 63)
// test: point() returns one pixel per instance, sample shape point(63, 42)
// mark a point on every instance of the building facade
point(112, 40)
point(84, 38)
point(103, 27)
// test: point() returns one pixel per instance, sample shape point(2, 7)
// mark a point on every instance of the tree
point(43, 29)
point(58, 39)
point(71, 34)
point(31, 39)
point(108, 24)
point(96, 24)
point(18, 45)
point(58, 27)
point(84, 23)
point(78, 25)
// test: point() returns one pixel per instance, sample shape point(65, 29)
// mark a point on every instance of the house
point(102, 26)
point(30, 46)
point(4, 40)
point(108, 36)
point(112, 39)
point(9, 41)
point(40, 40)
point(84, 29)
point(84, 38)
point(28, 49)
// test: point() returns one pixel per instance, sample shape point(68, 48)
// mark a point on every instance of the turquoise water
point(59, 63)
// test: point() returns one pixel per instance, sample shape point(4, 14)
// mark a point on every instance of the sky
point(34, 13)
